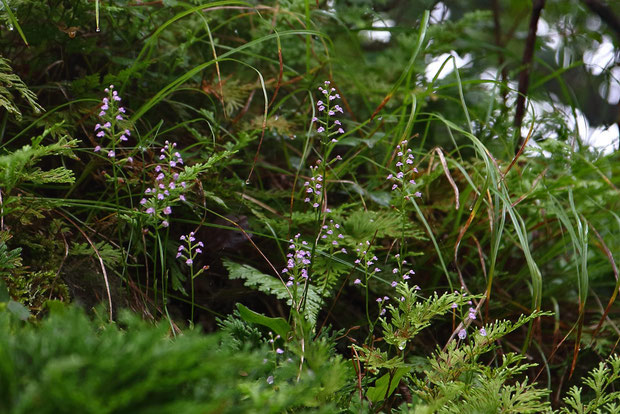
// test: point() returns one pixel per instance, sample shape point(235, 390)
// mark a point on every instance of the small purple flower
point(150, 210)
point(167, 210)
point(101, 134)
point(320, 129)
point(462, 334)
point(394, 283)
point(97, 148)
point(357, 282)
point(189, 262)
point(111, 154)
point(483, 332)
point(279, 351)
point(165, 223)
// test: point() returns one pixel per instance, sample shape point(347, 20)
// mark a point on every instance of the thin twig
point(606, 14)
point(92, 245)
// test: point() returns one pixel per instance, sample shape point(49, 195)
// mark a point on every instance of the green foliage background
point(515, 230)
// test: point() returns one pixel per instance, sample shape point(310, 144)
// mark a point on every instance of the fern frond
point(18, 166)
point(268, 284)
point(10, 83)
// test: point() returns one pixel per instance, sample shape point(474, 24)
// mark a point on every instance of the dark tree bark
point(524, 76)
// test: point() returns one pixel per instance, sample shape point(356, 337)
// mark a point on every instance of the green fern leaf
point(268, 284)
point(10, 83)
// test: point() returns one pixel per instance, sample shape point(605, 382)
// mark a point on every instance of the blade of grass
point(409, 67)
point(14, 21)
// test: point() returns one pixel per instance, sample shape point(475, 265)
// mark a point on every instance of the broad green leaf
point(18, 310)
point(277, 325)
point(380, 391)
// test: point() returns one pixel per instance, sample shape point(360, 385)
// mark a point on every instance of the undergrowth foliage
point(352, 233)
